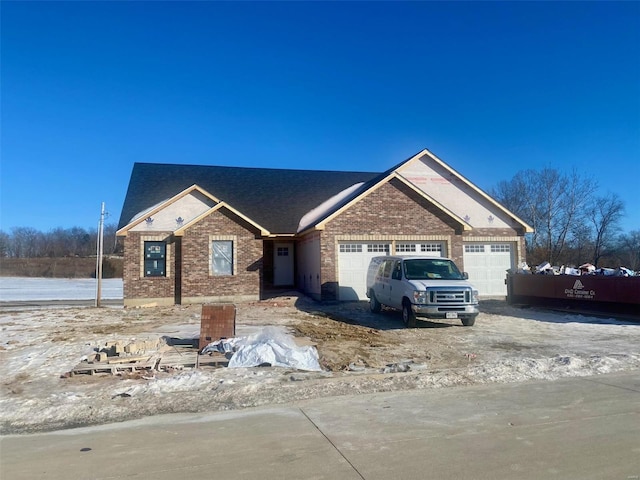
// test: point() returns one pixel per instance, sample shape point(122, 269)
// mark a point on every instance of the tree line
point(27, 242)
point(572, 223)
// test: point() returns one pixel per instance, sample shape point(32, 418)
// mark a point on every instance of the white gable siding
point(453, 194)
point(187, 208)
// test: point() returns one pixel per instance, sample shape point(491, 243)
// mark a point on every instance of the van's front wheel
point(468, 321)
point(408, 316)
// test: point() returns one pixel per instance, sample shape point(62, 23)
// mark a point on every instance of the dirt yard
point(359, 352)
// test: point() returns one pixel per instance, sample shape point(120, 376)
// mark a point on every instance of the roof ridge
point(273, 169)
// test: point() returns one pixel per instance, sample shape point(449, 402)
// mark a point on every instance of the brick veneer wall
point(393, 209)
point(138, 289)
point(197, 281)
point(267, 263)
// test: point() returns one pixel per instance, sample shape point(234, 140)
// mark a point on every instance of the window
point(500, 248)
point(282, 252)
point(155, 259)
point(474, 249)
point(422, 269)
point(406, 247)
point(222, 257)
point(397, 271)
point(350, 248)
point(387, 268)
point(431, 247)
point(378, 248)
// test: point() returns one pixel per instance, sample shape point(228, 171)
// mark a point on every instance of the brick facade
point(189, 278)
point(391, 210)
point(139, 289)
point(198, 283)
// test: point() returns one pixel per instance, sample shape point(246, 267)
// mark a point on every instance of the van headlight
point(475, 296)
point(419, 296)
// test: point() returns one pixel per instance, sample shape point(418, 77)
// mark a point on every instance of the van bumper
point(441, 311)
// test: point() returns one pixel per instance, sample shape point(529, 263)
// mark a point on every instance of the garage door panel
point(487, 265)
point(353, 262)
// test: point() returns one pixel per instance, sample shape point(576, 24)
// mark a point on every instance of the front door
point(283, 264)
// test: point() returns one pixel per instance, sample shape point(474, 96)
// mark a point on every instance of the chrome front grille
point(450, 296)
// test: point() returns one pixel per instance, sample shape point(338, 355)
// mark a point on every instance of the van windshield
point(430, 269)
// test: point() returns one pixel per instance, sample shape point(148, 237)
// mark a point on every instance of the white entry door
point(283, 264)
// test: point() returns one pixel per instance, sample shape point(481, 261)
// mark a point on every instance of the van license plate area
point(452, 315)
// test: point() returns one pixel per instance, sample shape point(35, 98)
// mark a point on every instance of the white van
point(430, 287)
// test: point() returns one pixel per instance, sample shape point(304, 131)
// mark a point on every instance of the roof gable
point(445, 185)
point(413, 172)
point(180, 231)
point(171, 213)
point(361, 193)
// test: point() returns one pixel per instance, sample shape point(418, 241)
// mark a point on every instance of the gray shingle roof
point(274, 198)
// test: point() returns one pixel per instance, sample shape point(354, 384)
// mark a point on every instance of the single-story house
point(200, 233)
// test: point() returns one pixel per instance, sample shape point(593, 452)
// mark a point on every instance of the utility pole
point(99, 257)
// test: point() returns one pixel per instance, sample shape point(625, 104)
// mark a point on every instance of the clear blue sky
point(89, 88)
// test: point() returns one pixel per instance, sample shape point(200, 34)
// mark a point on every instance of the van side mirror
point(465, 275)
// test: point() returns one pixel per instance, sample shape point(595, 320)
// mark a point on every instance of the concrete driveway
point(577, 428)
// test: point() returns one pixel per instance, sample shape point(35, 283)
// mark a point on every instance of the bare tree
point(5, 244)
point(551, 202)
point(576, 194)
point(58, 243)
point(517, 195)
point(580, 244)
point(629, 249)
point(25, 242)
point(110, 239)
point(604, 215)
point(81, 242)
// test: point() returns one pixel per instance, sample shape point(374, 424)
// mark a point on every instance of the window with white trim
point(222, 257)
point(378, 248)
point(431, 247)
point(474, 249)
point(405, 247)
point(501, 248)
point(350, 247)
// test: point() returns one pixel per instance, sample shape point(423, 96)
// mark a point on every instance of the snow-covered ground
point(507, 344)
point(16, 289)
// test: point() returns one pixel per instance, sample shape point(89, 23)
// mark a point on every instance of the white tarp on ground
point(270, 346)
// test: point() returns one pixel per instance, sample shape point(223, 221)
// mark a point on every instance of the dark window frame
point(155, 258)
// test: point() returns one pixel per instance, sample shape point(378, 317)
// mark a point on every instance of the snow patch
point(15, 289)
point(312, 217)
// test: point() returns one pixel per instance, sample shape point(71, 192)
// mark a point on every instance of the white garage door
point(487, 265)
point(354, 258)
point(353, 261)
